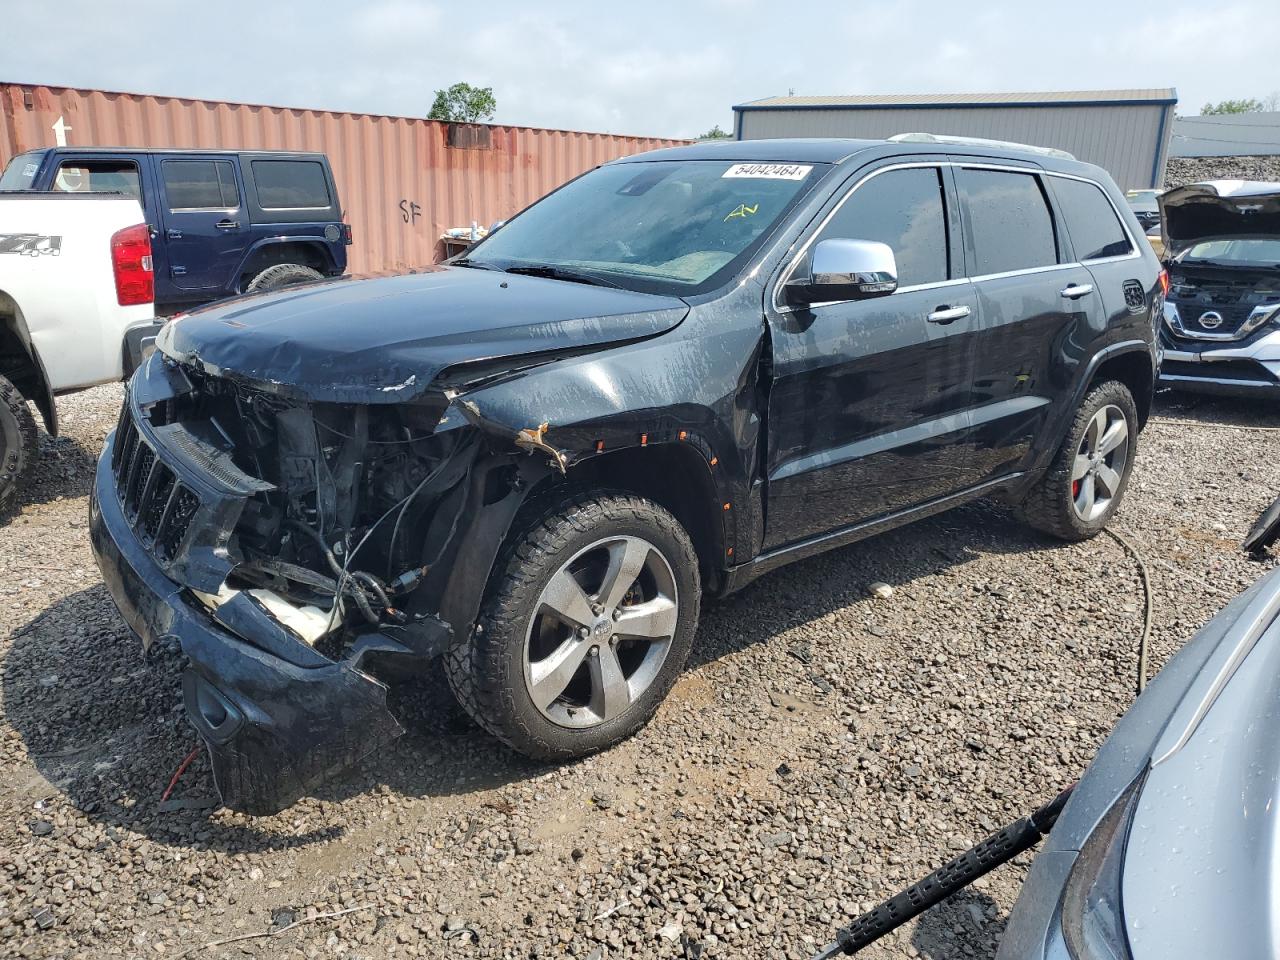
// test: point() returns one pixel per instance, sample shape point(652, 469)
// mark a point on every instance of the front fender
point(669, 390)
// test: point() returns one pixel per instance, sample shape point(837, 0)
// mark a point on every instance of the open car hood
point(1219, 210)
point(386, 340)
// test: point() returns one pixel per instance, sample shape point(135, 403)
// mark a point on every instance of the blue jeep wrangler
point(222, 221)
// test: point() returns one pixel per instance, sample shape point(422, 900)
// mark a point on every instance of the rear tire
point(18, 449)
point(1085, 484)
point(529, 676)
point(282, 275)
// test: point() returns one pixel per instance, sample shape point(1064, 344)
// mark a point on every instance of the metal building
point(1227, 135)
point(403, 181)
point(1126, 132)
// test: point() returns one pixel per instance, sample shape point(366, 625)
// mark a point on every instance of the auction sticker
point(768, 171)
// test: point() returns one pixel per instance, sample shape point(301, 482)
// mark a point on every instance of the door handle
point(1074, 291)
point(173, 234)
point(947, 314)
point(228, 224)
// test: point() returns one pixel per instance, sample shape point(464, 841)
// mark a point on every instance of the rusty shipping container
point(403, 181)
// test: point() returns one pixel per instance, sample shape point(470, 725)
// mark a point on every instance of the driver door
point(869, 405)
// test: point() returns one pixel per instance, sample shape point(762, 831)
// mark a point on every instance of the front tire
point(18, 449)
point(1085, 484)
point(585, 627)
point(282, 275)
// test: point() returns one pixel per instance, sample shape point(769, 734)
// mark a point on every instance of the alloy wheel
point(600, 632)
point(1100, 463)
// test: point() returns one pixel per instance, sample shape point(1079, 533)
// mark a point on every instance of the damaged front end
point(302, 553)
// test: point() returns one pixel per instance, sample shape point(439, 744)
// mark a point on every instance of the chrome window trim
point(786, 275)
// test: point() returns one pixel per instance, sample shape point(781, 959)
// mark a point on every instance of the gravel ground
point(1180, 170)
point(823, 749)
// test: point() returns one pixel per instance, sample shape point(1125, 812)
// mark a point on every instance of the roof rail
point(979, 142)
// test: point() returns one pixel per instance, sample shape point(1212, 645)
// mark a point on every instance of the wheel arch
point(1133, 368)
point(271, 252)
point(21, 364)
point(676, 476)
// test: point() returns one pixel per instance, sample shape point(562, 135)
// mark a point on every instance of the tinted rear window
point(1009, 219)
point(906, 210)
point(291, 184)
point(200, 185)
point(1091, 220)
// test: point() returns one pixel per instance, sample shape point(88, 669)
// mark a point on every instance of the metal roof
point(218, 151)
point(1228, 135)
point(1053, 98)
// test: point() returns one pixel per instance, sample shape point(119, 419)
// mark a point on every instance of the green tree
point(715, 133)
point(1247, 105)
point(463, 103)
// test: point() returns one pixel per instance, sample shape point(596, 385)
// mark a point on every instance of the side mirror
point(846, 270)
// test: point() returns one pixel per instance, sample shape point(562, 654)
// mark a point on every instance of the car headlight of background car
point(1091, 909)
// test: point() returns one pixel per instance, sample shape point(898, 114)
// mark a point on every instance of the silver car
point(1169, 847)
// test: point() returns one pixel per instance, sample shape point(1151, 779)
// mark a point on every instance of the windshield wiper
point(473, 264)
point(560, 273)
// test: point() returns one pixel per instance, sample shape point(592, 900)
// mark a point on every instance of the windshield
point(1235, 252)
point(21, 172)
point(671, 226)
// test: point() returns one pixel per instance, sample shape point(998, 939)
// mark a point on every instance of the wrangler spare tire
point(18, 450)
point(282, 275)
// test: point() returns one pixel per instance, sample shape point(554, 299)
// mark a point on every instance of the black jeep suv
point(671, 375)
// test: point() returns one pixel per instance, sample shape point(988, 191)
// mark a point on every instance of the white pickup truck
point(76, 308)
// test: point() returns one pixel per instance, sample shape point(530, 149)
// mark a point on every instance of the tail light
point(346, 234)
point(131, 262)
point(1164, 283)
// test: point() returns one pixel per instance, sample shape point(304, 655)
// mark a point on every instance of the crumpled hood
point(385, 340)
point(1219, 210)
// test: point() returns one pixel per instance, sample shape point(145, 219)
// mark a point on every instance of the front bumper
point(1248, 368)
point(273, 728)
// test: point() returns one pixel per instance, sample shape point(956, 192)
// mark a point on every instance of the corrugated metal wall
point(1129, 141)
point(383, 165)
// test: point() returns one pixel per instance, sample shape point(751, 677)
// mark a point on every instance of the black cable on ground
point(1143, 643)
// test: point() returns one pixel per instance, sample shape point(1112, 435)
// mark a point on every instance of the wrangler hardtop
point(222, 222)
point(673, 374)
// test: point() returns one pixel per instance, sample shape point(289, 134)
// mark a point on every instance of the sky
point(657, 68)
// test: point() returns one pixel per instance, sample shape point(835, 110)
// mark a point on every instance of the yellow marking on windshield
point(743, 211)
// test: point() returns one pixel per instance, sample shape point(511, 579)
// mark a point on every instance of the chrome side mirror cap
point(846, 270)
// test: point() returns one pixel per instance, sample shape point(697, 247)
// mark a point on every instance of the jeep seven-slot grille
point(158, 506)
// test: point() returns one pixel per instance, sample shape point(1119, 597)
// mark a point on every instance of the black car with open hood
point(664, 379)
